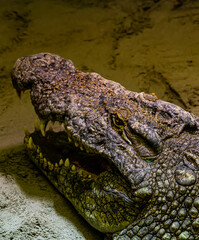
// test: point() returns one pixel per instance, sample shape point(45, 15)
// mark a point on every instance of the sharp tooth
point(45, 163)
point(68, 128)
point(56, 167)
point(43, 124)
point(76, 144)
point(67, 162)
point(50, 166)
point(61, 162)
point(73, 168)
point(36, 124)
point(30, 143)
point(27, 133)
point(38, 149)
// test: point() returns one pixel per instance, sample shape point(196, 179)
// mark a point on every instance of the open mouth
point(86, 178)
point(54, 149)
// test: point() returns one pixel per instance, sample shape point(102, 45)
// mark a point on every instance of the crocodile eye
point(117, 121)
point(119, 117)
point(118, 125)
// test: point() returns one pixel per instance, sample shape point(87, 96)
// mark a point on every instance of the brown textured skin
point(153, 144)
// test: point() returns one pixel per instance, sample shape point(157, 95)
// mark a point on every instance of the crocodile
point(127, 161)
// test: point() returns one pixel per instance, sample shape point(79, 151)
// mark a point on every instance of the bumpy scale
point(128, 162)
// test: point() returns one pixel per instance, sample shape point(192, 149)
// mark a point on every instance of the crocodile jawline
point(75, 171)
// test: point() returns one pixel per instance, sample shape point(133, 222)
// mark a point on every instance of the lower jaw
point(75, 183)
point(61, 172)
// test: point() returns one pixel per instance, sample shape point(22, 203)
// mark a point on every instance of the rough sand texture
point(30, 207)
point(145, 45)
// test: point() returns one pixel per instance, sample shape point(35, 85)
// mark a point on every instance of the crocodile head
point(128, 162)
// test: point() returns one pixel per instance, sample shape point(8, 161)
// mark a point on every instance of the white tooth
point(67, 162)
point(68, 128)
point(36, 124)
point(43, 125)
point(73, 168)
point(61, 162)
point(30, 143)
point(27, 133)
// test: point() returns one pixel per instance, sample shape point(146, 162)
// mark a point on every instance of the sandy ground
point(145, 45)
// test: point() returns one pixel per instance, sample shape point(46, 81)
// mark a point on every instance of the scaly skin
point(132, 161)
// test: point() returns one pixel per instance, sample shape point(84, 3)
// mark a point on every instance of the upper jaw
point(105, 141)
point(78, 180)
point(58, 147)
point(85, 125)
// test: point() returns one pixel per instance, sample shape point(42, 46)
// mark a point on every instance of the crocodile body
point(128, 162)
